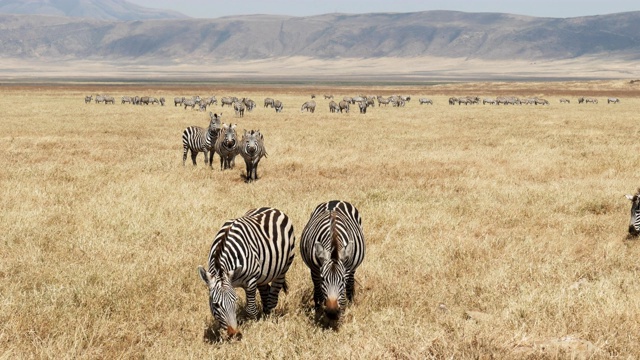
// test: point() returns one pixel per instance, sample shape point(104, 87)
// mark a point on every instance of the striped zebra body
point(87, 99)
point(425, 101)
point(268, 102)
point(613, 101)
point(328, 96)
point(362, 105)
point(189, 102)
point(383, 101)
point(252, 150)
point(565, 101)
point(109, 100)
point(99, 99)
point(227, 146)
point(634, 221)
point(253, 252)
point(178, 100)
point(126, 99)
point(591, 100)
point(197, 139)
point(227, 101)
point(162, 101)
point(333, 107)
point(332, 246)
point(310, 106)
point(343, 106)
point(239, 107)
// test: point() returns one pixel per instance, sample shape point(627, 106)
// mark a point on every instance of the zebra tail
point(285, 286)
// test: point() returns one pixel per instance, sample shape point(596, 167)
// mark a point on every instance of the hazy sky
point(545, 8)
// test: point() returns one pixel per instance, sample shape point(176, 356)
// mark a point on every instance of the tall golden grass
point(492, 231)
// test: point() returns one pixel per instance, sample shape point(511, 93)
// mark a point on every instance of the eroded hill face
point(103, 9)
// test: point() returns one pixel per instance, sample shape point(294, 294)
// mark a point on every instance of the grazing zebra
point(309, 106)
point(634, 221)
point(580, 100)
point(253, 252)
point(425, 101)
point(347, 99)
point(565, 101)
point(87, 99)
point(227, 146)
point(189, 102)
point(197, 139)
point(227, 101)
point(613, 101)
point(343, 106)
point(277, 104)
point(249, 104)
point(383, 101)
point(178, 100)
point(453, 100)
point(537, 101)
point(252, 150)
point(126, 99)
point(239, 107)
point(109, 100)
point(590, 100)
point(268, 102)
point(202, 106)
point(328, 97)
point(313, 96)
point(333, 107)
point(332, 246)
point(99, 99)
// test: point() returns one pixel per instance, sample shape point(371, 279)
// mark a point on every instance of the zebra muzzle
point(633, 231)
point(332, 309)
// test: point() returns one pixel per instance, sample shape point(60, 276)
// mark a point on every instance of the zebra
point(178, 100)
point(634, 221)
point(580, 100)
point(590, 100)
point(227, 146)
point(239, 107)
point(126, 99)
point(252, 150)
point(453, 100)
point(333, 107)
point(309, 106)
point(277, 104)
point(405, 98)
point(88, 98)
point(227, 101)
point(537, 101)
point(250, 104)
point(162, 101)
point(189, 102)
point(198, 139)
point(99, 99)
point(613, 101)
point(565, 101)
point(144, 100)
point(425, 101)
point(313, 96)
point(253, 252)
point(109, 99)
point(383, 101)
point(347, 99)
point(328, 96)
point(343, 106)
point(268, 102)
point(332, 246)
point(362, 105)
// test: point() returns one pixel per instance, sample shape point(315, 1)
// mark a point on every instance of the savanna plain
point(491, 231)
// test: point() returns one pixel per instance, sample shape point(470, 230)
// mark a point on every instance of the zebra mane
point(336, 245)
point(218, 253)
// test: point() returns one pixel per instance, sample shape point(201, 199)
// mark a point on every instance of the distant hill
point(448, 34)
point(96, 9)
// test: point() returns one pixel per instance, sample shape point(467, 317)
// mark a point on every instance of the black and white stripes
point(253, 252)
point(197, 139)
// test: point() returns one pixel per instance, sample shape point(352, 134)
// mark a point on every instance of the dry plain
point(492, 231)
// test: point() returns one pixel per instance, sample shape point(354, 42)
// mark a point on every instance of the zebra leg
point(264, 296)
point(250, 291)
point(206, 157)
point(211, 153)
point(276, 286)
point(193, 156)
point(248, 166)
point(350, 285)
point(317, 290)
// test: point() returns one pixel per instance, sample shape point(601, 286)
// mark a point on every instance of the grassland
point(492, 231)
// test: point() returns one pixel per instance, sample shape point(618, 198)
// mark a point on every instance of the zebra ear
point(321, 253)
point(204, 275)
point(346, 251)
point(630, 197)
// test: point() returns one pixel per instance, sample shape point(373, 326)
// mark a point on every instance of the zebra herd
point(222, 139)
point(255, 251)
point(133, 100)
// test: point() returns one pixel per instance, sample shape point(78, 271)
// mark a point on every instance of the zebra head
point(333, 272)
point(222, 299)
point(250, 141)
point(634, 221)
point(229, 136)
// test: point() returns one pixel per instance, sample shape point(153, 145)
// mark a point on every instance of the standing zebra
point(309, 106)
point(227, 146)
point(427, 101)
point(253, 252)
point(252, 150)
point(277, 104)
point(197, 140)
point(268, 102)
point(634, 222)
point(613, 101)
point(333, 107)
point(88, 98)
point(239, 107)
point(332, 246)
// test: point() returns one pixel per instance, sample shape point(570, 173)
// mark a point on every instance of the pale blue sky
point(544, 8)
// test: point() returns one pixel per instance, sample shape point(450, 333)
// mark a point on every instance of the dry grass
point(491, 231)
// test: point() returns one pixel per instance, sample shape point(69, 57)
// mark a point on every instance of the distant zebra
point(580, 100)
point(126, 99)
point(362, 105)
point(565, 101)
point(328, 96)
point(268, 102)
point(250, 104)
point(87, 99)
point(425, 101)
point(189, 102)
point(227, 101)
point(453, 100)
point(109, 100)
point(313, 96)
point(277, 104)
point(333, 107)
point(252, 150)
point(178, 100)
point(239, 107)
point(197, 139)
point(144, 100)
point(591, 100)
point(383, 101)
point(332, 246)
point(162, 101)
point(343, 106)
point(253, 252)
point(613, 101)
point(99, 99)
point(227, 146)
point(309, 106)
